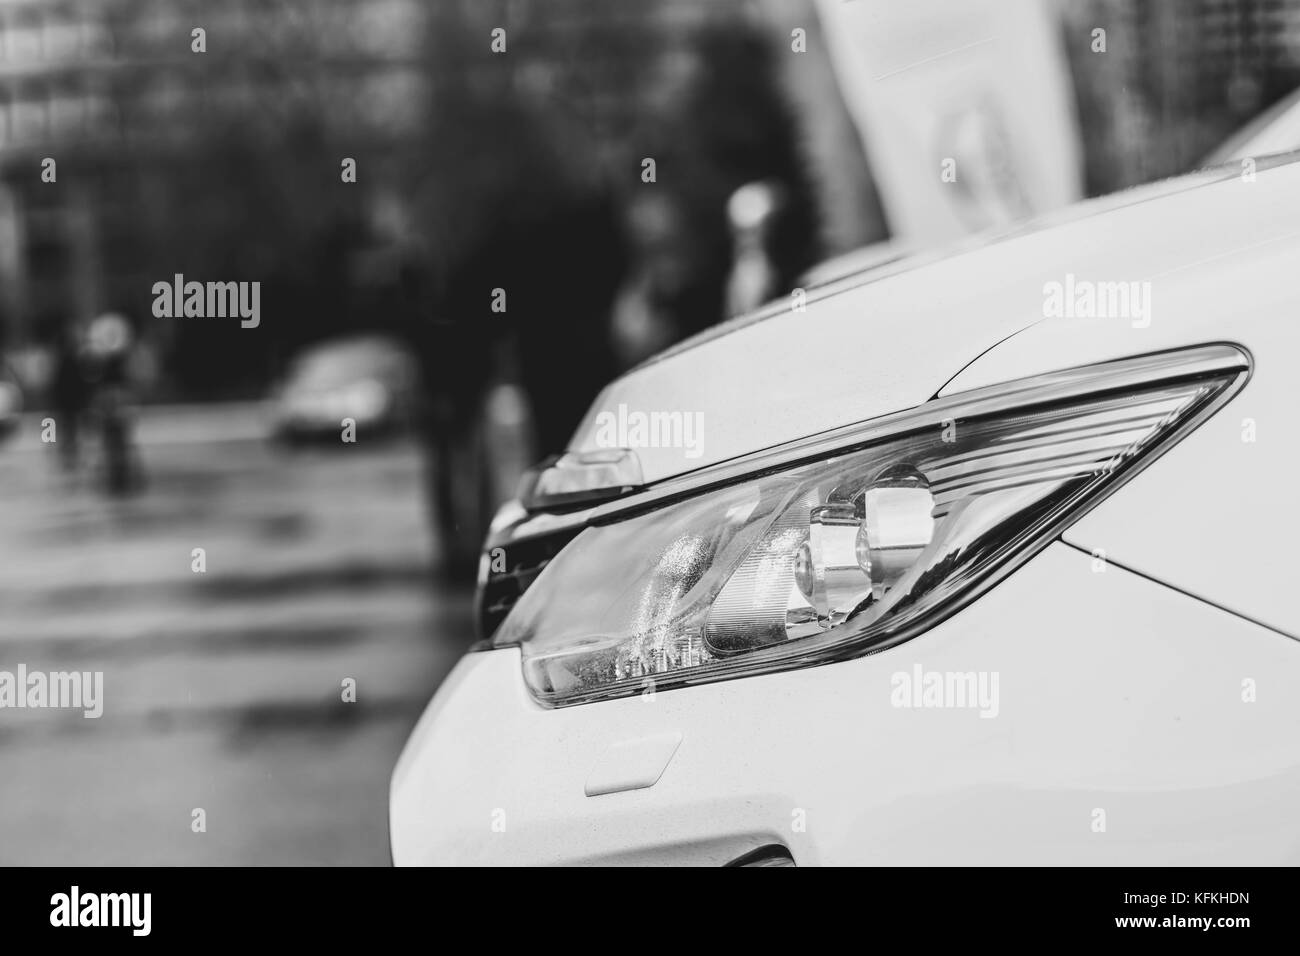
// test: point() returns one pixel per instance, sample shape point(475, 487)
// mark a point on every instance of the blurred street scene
point(222, 689)
point(308, 284)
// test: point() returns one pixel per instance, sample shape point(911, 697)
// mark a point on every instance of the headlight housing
point(849, 543)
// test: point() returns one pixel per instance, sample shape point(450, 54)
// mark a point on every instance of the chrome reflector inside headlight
point(858, 548)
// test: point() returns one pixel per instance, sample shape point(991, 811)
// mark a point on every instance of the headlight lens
point(834, 558)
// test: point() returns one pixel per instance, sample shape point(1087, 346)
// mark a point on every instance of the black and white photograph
point(650, 433)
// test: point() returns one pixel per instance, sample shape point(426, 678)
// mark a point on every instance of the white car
point(983, 558)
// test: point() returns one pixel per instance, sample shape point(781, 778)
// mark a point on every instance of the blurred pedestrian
point(752, 212)
point(110, 342)
point(650, 309)
point(71, 394)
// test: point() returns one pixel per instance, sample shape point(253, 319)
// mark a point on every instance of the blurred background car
point(372, 380)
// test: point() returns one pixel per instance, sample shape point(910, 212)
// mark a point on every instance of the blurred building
point(147, 134)
point(225, 164)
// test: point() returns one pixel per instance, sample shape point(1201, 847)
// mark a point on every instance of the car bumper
point(1123, 730)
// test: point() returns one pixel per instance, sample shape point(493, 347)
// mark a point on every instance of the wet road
point(223, 689)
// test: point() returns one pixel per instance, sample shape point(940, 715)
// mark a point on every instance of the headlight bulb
point(826, 567)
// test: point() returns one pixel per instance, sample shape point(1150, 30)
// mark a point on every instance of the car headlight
point(851, 542)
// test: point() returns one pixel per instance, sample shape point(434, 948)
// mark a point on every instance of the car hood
point(890, 338)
